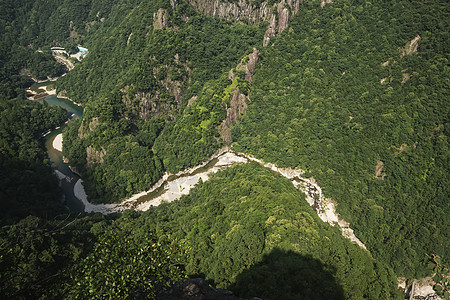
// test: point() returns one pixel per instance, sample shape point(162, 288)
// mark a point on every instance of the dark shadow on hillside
point(27, 188)
point(288, 275)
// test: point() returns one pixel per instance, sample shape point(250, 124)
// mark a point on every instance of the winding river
point(172, 186)
point(66, 177)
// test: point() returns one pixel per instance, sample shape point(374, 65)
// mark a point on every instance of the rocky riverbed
point(172, 186)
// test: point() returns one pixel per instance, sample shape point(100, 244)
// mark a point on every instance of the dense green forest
point(250, 229)
point(325, 98)
point(355, 93)
point(246, 229)
point(141, 92)
point(322, 78)
point(27, 185)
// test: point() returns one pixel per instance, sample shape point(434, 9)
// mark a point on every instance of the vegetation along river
point(171, 186)
point(66, 177)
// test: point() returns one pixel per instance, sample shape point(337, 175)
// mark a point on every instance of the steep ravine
point(172, 186)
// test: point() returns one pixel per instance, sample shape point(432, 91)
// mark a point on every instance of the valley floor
point(172, 186)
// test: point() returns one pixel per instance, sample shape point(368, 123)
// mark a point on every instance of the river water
point(172, 186)
point(67, 183)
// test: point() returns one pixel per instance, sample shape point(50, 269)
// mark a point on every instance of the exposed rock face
point(241, 11)
point(246, 11)
point(379, 170)
point(150, 105)
point(418, 288)
point(411, 47)
point(285, 10)
point(147, 105)
point(270, 32)
point(174, 88)
point(83, 131)
point(325, 2)
point(405, 78)
point(192, 100)
point(238, 101)
point(248, 67)
point(161, 19)
point(93, 156)
point(283, 15)
point(238, 107)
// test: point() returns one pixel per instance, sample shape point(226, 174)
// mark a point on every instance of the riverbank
point(63, 96)
point(45, 92)
point(324, 207)
point(57, 142)
point(46, 80)
point(172, 186)
point(40, 93)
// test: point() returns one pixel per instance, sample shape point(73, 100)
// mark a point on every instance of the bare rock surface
point(238, 101)
point(411, 47)
point(161, 19)
point(94, 156)
point(244, 11)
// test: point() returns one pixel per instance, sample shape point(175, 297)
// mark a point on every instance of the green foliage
point(193, 136)
point(121, 267)
point(247, 229)
point(129, 168)
point(441, 277)
point(27, 185)
point(35, 255)
point(246, 222)
point(85, 256)
point(317, 103)
point(288, 275)
point(139, 54)
point(139, 94)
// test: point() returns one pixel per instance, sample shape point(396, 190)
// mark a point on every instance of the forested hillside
point(247, 229)
point(367, 117)
point(356, 94)
point(27, 185)
point(141, 92)
point(251, 230)
point(353, 92)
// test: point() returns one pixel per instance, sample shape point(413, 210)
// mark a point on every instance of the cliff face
point(241, 11)
point(161, 19)
point(277, 15)
point(166, 100)
point(238, 100)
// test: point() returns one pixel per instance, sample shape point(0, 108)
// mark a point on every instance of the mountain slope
point(357, 95)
